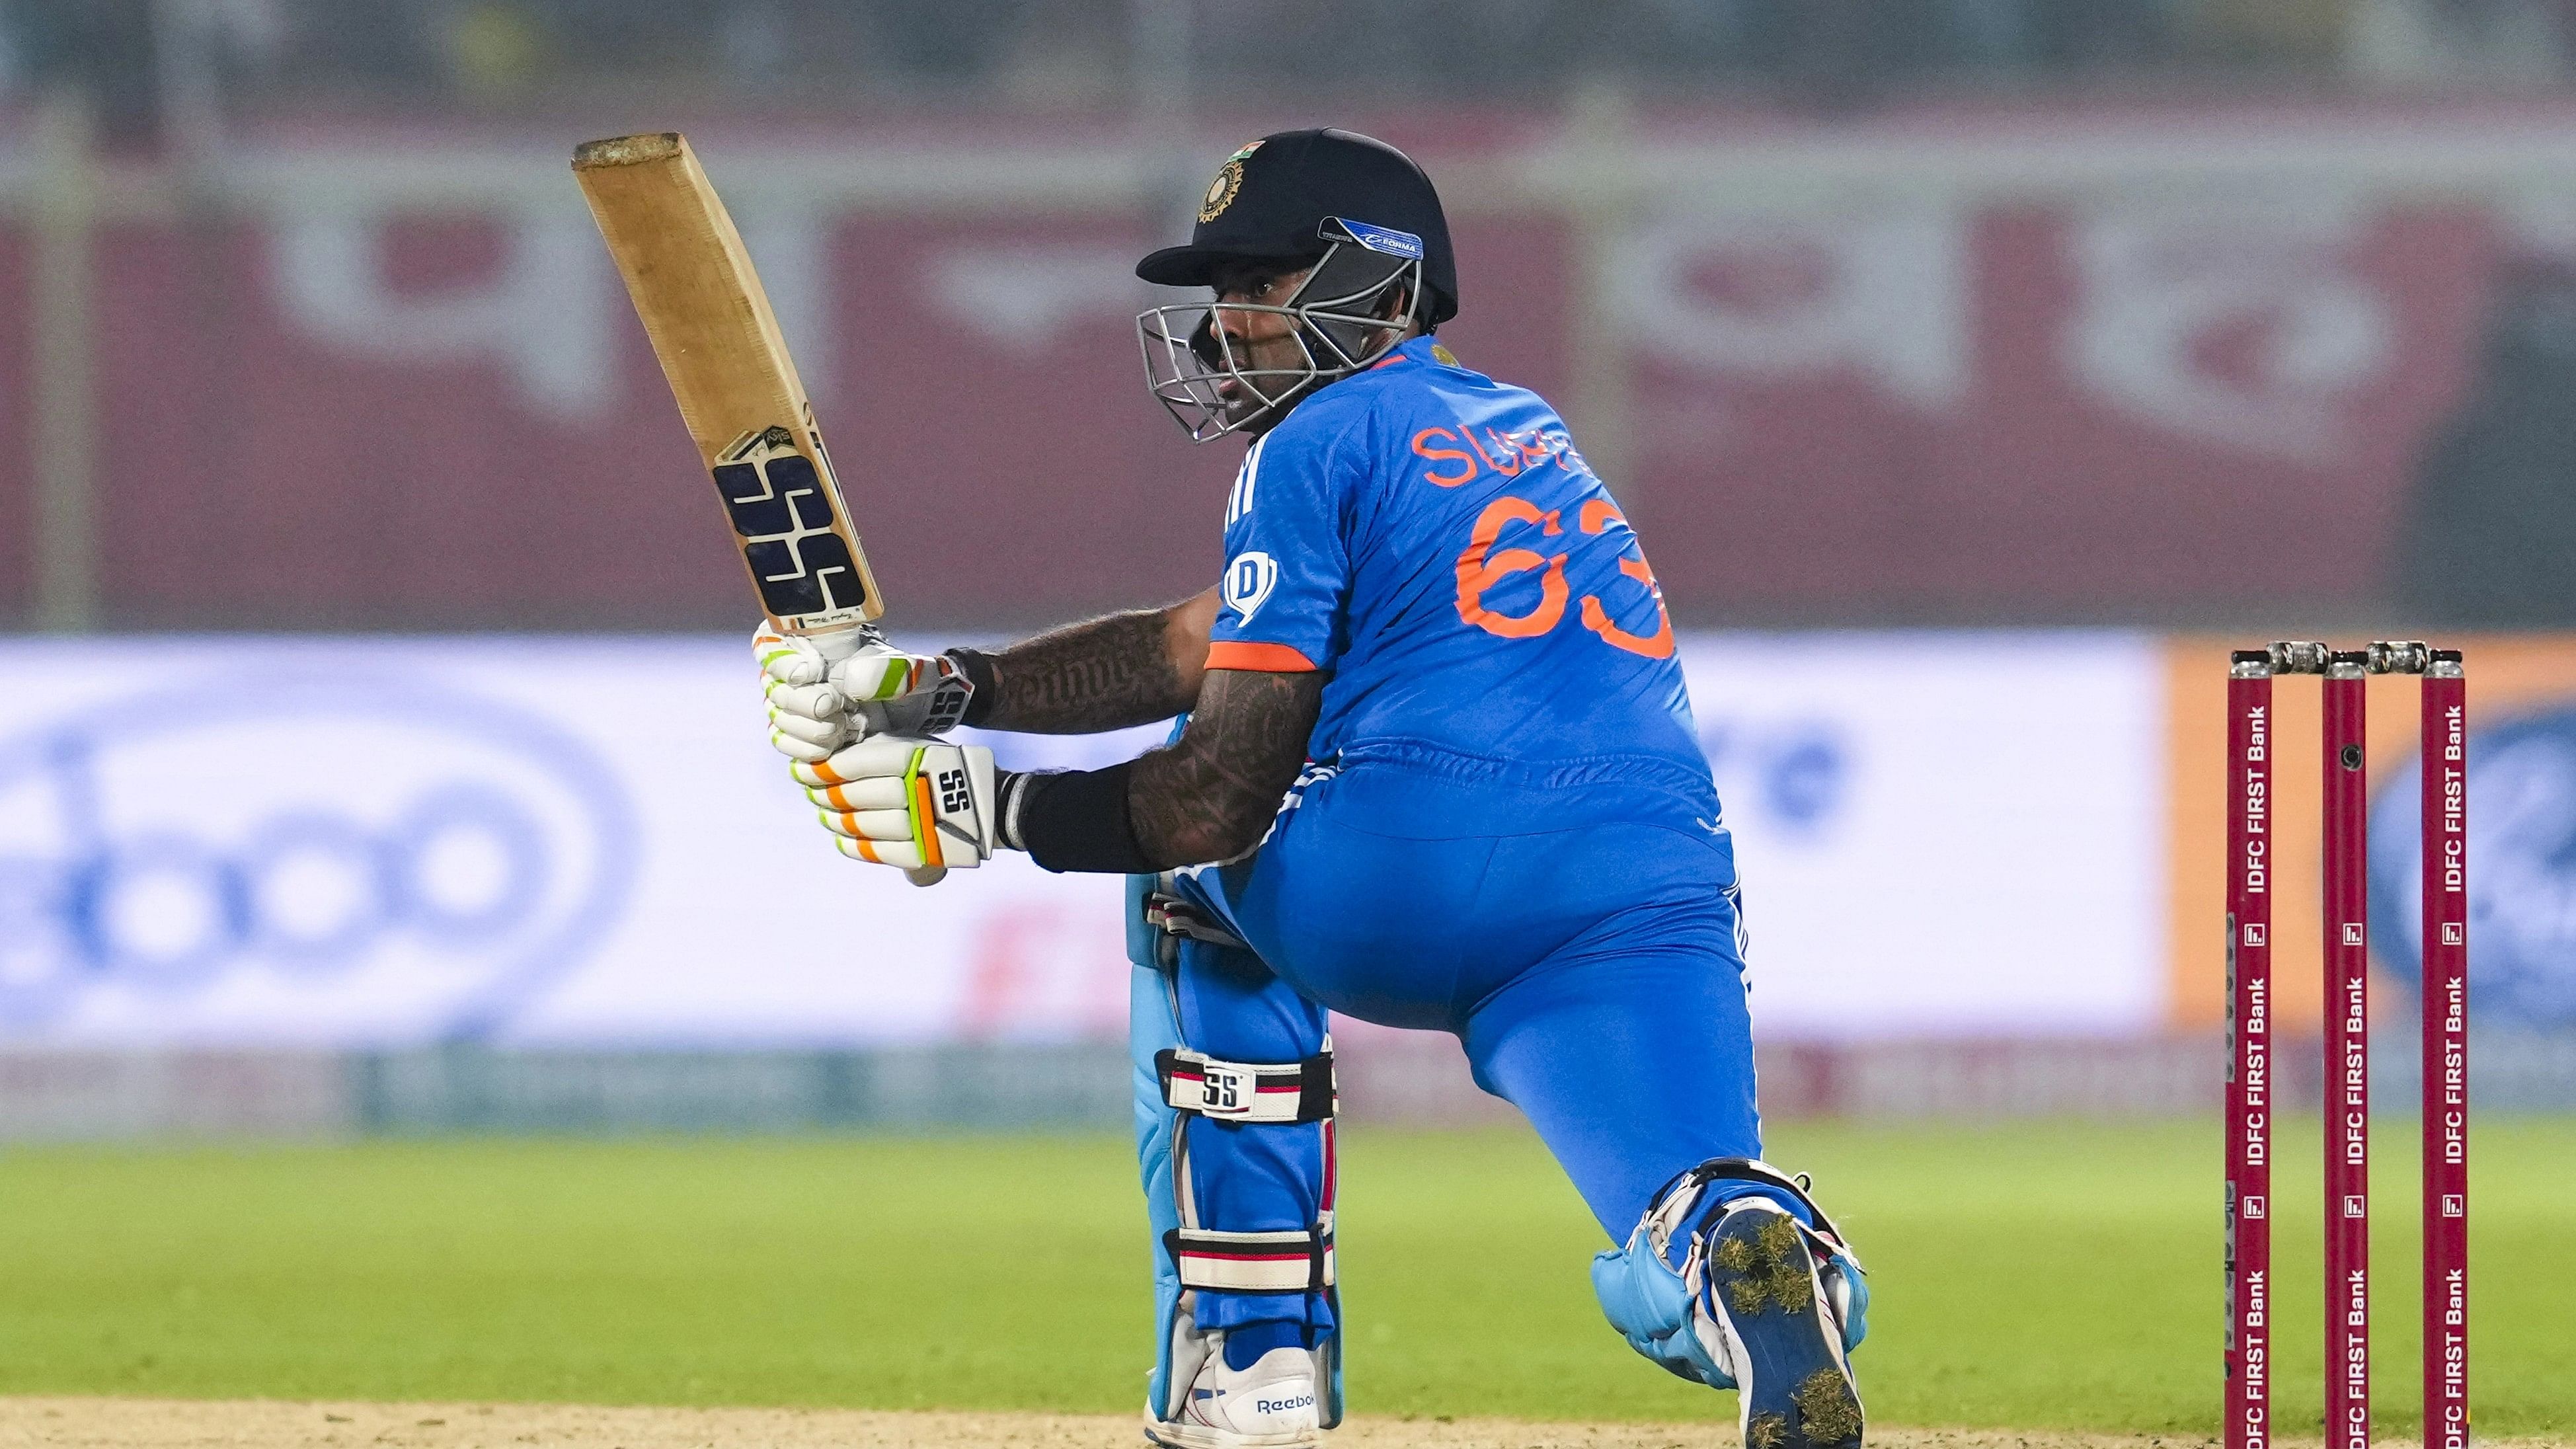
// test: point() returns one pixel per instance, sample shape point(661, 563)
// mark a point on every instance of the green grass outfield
point(2034, 1276)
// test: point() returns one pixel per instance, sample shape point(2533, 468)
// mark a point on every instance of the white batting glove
point(923, 805)
point(826, 691)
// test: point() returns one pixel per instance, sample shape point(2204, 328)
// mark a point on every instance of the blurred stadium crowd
point(1018, 52)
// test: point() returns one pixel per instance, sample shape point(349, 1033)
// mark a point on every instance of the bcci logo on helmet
point(2521, 876)
point(290, 855)
point(1229, 180)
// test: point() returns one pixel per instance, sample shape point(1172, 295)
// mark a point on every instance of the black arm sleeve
point(977, 666)
point(1077, 821)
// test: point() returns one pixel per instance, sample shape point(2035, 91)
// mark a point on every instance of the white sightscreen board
point(530, 840)
point(1943, 834)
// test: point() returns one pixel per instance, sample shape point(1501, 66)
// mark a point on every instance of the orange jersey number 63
point(1482, 566)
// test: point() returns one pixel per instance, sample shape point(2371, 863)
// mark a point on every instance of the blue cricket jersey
point(1521, 843)
point(1431, 538)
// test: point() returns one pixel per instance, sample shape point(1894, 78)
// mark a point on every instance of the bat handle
point(840, 644)
point(928, 875)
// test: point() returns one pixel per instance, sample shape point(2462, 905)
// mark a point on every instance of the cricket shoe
point(1794, 1386)
point(1270, 1405)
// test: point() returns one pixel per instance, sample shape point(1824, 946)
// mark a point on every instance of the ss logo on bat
point(785, 520)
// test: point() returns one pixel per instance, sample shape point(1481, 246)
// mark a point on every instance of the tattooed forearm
point(1102, 674)
point(1210, 794)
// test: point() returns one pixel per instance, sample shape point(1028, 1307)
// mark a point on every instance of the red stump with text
point(2446, 1053)
point(2253, 761)
point(2249, 1051)
point(2347, 1048)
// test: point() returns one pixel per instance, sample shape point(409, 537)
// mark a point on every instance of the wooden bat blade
point(710, 323)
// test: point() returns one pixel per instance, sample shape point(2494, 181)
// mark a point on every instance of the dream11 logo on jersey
point(282, 857)
point(2521, 871)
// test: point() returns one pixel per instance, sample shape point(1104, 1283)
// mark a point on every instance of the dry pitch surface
point(95, 1423)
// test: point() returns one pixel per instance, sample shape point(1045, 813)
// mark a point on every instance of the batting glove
point(826, 691)
point(922, 805)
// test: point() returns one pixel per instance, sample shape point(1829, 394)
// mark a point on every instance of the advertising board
point(2025, 365)
point(358, 842)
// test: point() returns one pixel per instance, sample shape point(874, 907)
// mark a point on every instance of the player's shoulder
point(1363, 411)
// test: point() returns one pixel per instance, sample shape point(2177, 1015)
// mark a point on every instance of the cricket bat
point(710, 323)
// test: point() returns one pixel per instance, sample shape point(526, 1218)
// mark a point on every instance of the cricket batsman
point(1436, 768)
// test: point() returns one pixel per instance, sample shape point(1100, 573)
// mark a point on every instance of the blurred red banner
point(2014, 377)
